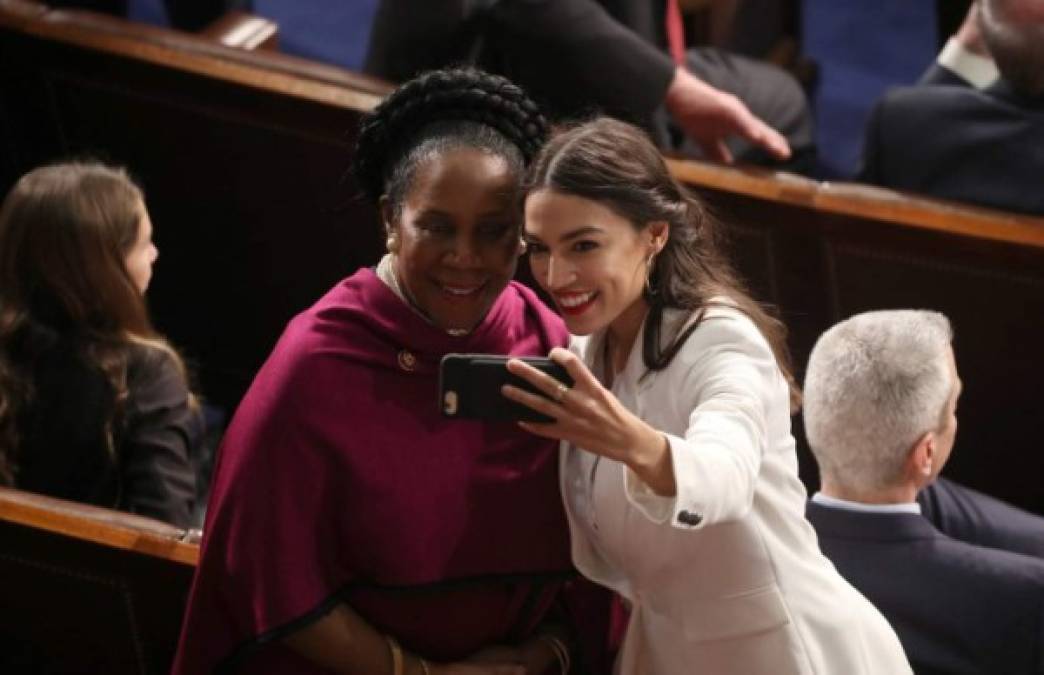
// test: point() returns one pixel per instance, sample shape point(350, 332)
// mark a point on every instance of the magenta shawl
point(339, 480)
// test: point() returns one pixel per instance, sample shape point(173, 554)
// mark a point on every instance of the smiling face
point(457, 232)
point(591, 260)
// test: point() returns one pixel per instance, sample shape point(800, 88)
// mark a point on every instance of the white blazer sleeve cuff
point(687, 509)
point(712, 479)
point(656, 508)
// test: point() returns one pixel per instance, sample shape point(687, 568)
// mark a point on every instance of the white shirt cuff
point(978, 70)
point(656, 508)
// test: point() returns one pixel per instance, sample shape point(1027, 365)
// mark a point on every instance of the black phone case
point(469, 387)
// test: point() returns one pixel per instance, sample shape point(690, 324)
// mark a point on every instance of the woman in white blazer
point(679, 472)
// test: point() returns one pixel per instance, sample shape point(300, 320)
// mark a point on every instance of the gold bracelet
point(561, 653)
point(396, 655)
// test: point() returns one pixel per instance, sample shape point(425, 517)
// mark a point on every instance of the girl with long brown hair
point(94, 404)
point(679, 471)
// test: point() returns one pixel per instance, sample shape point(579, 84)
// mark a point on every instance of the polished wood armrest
point(867, 202)
point(99, 525)
point(87, 589)
point(243, 30)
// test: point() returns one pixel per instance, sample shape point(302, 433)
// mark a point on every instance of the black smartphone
point(469, 387)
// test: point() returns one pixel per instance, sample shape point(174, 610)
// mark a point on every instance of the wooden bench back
point(245, 156)
point(88, 590)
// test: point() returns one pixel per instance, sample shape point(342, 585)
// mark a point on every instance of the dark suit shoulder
point(940, 74)
point(957, 143)
point(901, 105)
point(976, 518)
point(956, 607)
point(912, 535)
point(1004, 568)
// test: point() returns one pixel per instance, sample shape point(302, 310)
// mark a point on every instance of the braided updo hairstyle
point(437, 111)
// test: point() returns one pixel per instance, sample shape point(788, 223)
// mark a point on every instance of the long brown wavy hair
point(65, 231)
point(615, 164)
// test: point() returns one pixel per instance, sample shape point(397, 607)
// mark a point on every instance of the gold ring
point(560, 392)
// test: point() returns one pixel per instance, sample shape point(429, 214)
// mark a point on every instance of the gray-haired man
point(881, 393)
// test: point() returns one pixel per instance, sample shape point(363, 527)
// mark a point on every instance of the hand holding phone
point(470, 387)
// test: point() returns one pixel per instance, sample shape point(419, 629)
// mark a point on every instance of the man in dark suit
point(578, 56)
point(960, 139)
point(880, 399)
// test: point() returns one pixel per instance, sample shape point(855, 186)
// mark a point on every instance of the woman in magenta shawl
point(352, 529)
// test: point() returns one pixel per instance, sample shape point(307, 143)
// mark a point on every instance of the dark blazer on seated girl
point(94, 404)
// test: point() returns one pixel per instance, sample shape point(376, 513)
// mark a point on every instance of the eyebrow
point(572, 234)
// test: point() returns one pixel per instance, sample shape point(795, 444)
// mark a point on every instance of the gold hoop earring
point(392, 243)
point(522, 246)
point(648, 274)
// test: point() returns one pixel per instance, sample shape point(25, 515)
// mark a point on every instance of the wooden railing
point(88, 590)
point(865, 202)
point(113, 529)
